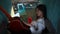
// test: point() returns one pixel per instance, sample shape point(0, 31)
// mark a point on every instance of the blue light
point(21, 8)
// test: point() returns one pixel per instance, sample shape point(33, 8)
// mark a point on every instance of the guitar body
point(15, 24)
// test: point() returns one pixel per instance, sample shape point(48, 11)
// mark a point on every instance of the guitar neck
point(6, 13)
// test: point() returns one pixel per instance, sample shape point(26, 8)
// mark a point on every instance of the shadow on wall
point(58, 26)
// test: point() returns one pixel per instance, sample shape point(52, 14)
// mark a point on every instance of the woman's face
point(39, 13)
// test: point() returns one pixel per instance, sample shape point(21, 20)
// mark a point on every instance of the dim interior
point(16, 16)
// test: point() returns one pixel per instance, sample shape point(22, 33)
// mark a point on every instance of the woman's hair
point(42, 7)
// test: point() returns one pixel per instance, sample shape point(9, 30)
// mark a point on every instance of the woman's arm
point(27, 24)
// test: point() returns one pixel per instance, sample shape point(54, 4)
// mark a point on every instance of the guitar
point(15, 23)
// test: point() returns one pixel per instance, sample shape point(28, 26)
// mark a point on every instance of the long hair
point(42, 7)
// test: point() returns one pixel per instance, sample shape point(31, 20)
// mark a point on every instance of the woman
point(41, 25)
